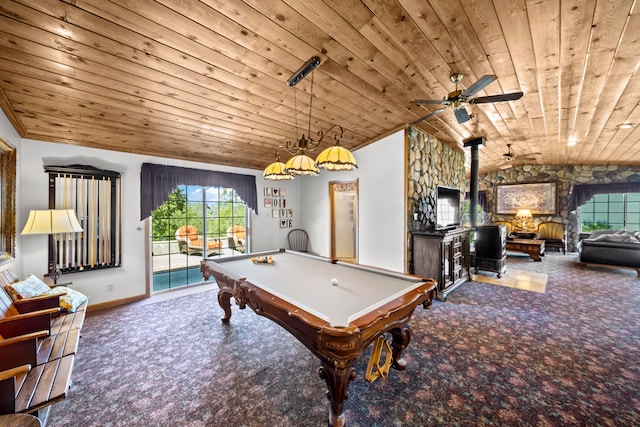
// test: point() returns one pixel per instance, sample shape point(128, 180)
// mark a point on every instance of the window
point(7, 201)
point(614, 211)
point(95, 196)
point(466, 218)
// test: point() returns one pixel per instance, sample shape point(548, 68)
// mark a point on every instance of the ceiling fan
point(510, 156)
point(456, 98)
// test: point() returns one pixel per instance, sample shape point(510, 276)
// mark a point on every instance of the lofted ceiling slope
point(206, 80)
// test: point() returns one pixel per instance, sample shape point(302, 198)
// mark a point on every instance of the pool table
point(335, 309)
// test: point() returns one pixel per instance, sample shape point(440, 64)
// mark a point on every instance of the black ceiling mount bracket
point(307, 68)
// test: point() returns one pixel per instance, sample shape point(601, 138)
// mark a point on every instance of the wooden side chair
point(298, 240)
point(554, 235)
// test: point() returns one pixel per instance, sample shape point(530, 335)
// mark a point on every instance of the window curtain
point(158, 181)
point(482, 199)
point(582, 193)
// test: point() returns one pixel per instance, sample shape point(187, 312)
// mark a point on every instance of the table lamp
point(524, 214)
point(52, 222)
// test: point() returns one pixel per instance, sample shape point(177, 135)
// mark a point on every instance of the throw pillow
point(27, 288)
point(71, 299)
point(617, 238)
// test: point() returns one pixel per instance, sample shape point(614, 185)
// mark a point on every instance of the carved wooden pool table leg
point(337, 375)
point(224, 299)
point(400, 340)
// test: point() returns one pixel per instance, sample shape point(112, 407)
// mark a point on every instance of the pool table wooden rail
point(336, 347)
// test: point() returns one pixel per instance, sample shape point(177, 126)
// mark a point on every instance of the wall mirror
point(7, 201)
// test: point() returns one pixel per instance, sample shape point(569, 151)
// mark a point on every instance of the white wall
point(381, 209)
point(128, 280)
point(381, 204)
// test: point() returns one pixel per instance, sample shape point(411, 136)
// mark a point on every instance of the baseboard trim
point(115, 303)
point(584, 264)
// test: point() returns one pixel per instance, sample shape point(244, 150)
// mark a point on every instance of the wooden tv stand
point(443, 256)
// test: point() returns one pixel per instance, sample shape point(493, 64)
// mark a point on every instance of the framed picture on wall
point(540, 198)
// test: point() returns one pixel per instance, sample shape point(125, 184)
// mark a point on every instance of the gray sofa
point(619, 249)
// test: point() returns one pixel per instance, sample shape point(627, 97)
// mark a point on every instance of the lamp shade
point(301, 164)
point(336, 158)
point(276, 171)
point(524, 213)
point(52, 221)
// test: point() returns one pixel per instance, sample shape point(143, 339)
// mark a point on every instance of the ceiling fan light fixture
point(336, 158)
point(455, 99)
point(301, 164)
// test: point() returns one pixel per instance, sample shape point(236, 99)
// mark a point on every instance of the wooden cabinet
point(443, 256)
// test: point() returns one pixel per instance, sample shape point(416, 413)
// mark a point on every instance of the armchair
point(491, 251)
point(554, 235)
point(506, 224)
point(190, 242)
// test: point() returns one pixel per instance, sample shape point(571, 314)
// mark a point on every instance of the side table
point(19, 420)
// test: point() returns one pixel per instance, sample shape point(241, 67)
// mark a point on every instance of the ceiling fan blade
point(532, 156)
point(433, 113)
point(461, 115)
point(496, 98)
point(483, 82)
point(428, 101)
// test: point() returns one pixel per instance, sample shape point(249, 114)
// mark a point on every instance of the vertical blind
point(95, 196)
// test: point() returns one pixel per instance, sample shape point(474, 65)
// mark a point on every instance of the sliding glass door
point(196, 222)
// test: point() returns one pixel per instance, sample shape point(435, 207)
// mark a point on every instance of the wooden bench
point(13, 314)
point(37, 351)
point(32, 390)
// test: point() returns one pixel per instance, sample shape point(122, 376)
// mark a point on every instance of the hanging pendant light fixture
point(336, 158)
point(276, 171)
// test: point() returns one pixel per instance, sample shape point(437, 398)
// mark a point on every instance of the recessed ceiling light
point(572, 141)
point(626, 126)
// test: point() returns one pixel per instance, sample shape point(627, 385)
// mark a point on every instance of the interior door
point(344, 220)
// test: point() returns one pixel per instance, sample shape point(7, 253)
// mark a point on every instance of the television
point(447, 208)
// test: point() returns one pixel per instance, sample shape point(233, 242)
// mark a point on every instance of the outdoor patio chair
point(191, 243)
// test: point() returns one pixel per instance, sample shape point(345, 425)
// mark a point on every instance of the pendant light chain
point(295, 111)
point(310, 106)
point(334, 158)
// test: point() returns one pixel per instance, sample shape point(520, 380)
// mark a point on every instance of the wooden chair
point(554, 235)
point(298, 240)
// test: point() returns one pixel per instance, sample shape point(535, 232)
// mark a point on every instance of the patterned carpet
point(490, 355)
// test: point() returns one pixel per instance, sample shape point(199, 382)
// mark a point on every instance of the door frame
point(350, 184)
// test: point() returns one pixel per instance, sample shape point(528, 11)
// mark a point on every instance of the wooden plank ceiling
point(206, 80)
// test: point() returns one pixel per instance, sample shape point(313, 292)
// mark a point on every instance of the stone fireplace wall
point(431, 163)
point(566, 177)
